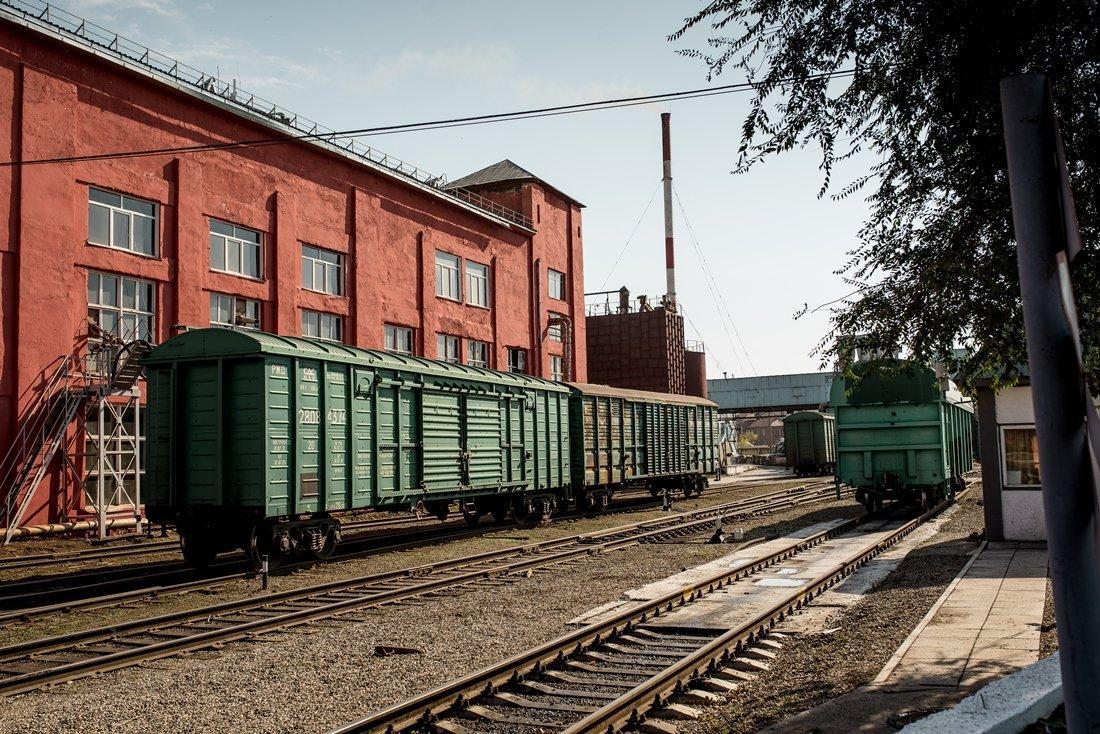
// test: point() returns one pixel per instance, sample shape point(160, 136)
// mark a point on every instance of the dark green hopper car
point(256, 440)
point(901, 434)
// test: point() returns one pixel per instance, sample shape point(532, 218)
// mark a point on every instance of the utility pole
point(1058, 390)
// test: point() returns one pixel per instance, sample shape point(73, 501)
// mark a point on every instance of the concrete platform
point(985, 625)
point(741, 600)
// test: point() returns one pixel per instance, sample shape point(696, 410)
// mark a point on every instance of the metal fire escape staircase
point(44, 431)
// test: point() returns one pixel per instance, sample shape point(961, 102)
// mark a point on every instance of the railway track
point(611, 675)
point(30, 665)
point(94, 588)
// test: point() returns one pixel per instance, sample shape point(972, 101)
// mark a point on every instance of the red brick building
point(318, 236)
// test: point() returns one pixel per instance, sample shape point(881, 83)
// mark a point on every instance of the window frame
point(457, 280)
point(233, 300)
point(471, 344)
point(469, 277)
point(442, 338)
point(338, 320)
point(119, 309)
point(120, 209)
point(398, 327)
point(559, 375)
point(522, 352)
point(555, 332)
point(325, 266)
point(241, 243)
point(550, 273)
point(1004, 456)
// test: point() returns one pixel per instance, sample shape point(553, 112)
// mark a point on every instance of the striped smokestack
point(670, 253)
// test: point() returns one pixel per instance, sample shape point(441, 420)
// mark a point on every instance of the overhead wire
point(724, 310)
point(634, 231)
point(483, 119)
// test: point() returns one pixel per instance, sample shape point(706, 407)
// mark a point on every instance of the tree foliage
point(935, 261)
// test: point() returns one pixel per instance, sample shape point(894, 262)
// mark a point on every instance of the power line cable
point(575, 108)
point(632, 233)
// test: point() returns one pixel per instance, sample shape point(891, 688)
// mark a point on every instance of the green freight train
point(900, 433)
point(809, 439)
point(259, 441)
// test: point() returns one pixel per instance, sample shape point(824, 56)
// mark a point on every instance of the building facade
point(300, 234)
point(1012, 492)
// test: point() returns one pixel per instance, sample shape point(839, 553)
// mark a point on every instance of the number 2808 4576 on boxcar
point(260, 442)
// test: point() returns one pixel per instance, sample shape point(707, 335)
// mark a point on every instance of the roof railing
point(36, 12)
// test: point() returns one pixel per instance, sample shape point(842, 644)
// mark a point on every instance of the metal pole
point(101, 513)
point(137, 460)
point(670, 258)
point(1058, 395)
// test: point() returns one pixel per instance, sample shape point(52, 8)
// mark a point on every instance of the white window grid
point(322, 270)
point(477, 353)
point(399, 339)
point(553, 328)
point(118, 424)
point(122, 307)
point(235, 250)
point(227, 310)
point(447, 348)
point(324, 326)
point(1004, 459)
point(122, 222)
point(447, 276)
point(477, 284)
point(557, 368)
point(517, 360)
point(556, 284)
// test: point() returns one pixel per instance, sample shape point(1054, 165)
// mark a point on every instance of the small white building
point(1009, 453)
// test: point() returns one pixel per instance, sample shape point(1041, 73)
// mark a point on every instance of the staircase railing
point(37, 440)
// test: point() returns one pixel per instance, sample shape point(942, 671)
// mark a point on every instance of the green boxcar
point(254, 440)
point(635, 438)
point(900, 434)
point(810, 440)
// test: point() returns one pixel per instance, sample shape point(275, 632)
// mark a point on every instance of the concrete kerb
point(1005, 706)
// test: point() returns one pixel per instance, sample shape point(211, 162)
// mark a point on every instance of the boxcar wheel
point(470, 512)
point(258, 547)
point(196, 552)
point(521, 509)
point(499, 510)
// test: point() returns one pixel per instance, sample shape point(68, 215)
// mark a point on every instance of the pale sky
point(769, 241)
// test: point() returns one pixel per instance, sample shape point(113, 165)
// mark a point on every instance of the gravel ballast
point(322, 675)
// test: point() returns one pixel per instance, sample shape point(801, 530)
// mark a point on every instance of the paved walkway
point(984, 626)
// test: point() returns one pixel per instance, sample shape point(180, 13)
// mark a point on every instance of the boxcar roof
point(587, 388)
point(802, 415)
point(212, 343)
point(899, 381)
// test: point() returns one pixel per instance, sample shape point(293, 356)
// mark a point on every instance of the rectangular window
point(477, 284)
point(557, 368)
point(447, 348)
point(122, 307)
point(322, 270)
point(1021, 456)
point(447, 284)
point(553, 328)
point(235, 249)
point(226, 310)
point(122, 222)
point(399, 339)
point(326, 326)
point(556, 284)
point(477, 353)
point(517, 360)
